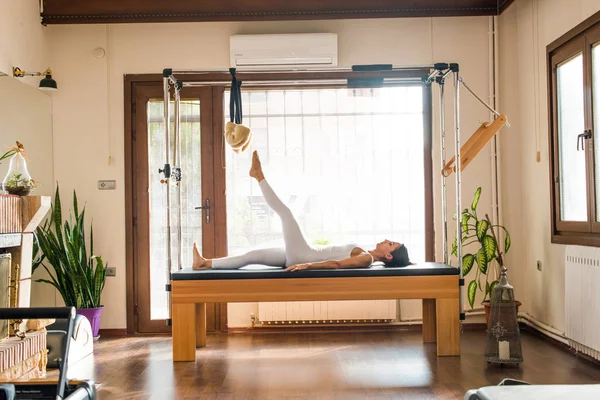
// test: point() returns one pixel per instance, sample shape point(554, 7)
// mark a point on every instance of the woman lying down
point(298, 254)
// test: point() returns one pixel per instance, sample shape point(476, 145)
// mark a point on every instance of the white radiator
point(582, 299)
point(327, 312)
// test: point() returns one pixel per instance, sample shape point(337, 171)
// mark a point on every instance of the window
point(351, 167)
point(574, 99)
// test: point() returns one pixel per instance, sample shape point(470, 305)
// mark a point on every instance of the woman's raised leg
point(296, 247)
point(297, 250)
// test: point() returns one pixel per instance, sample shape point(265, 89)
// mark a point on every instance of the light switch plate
point(107, 185)
point(111, 271)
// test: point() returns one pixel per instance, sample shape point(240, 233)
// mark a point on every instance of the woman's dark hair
point(399, 258)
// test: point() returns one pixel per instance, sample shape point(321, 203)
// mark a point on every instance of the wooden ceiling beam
point(140, 11)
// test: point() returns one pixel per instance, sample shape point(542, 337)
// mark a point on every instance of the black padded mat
point(268, 272)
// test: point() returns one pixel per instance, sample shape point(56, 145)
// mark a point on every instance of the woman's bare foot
point(256, 168)
point(198, 261)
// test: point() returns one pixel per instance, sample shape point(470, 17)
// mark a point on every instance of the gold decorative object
point(15, 328)
point(13, 288)
point(5, 261)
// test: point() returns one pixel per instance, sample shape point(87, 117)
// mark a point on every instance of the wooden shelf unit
point(19, 217)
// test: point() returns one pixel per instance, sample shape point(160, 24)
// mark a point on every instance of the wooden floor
point(368, 365)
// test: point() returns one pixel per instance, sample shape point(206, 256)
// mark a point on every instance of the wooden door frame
point(129, 225)
point(219, 207)
point(219, 191)
point(134, 85)
point(578, 39)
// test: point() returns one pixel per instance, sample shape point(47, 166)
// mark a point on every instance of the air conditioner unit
point(285, 51)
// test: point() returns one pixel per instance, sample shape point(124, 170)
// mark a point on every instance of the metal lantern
point(503, 344)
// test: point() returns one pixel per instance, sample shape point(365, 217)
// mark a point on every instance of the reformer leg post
point(201, 325)
point(429, 323)
point(184, 332)
point(448, 327)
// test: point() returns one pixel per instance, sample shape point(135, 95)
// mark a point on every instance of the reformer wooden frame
point(440, 296)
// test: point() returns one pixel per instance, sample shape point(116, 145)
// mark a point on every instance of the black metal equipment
point(80, 390)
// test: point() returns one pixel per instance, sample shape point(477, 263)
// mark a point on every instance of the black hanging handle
point(235, 100)
point(587, 134)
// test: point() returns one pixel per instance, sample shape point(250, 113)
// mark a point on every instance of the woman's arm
point(361, 261)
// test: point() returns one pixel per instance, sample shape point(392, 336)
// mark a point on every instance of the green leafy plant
point(480, 246)
point(79, 278)
point(16, 180)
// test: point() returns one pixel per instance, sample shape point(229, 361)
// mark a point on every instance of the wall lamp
point(47, 83)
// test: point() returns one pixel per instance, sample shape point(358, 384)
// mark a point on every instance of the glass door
point(343, 162)
point(150, 206)
point(317, 146)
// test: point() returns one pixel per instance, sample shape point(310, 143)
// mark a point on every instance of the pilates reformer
point(59, 388)
point(437, 284)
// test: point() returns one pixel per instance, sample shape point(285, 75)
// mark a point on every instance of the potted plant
point(78, 276)
point(480, 246)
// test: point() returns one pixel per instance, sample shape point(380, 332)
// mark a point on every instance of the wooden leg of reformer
point(201, 325)
point(429, 330)
point(184, 332)
point(448, 327)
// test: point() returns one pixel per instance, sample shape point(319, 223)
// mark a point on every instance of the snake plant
point(480, 246)
point(78, 276)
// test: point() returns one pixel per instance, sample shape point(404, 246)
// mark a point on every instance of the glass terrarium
point(18, 181)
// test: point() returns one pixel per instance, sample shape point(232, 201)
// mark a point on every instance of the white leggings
point(296, 251)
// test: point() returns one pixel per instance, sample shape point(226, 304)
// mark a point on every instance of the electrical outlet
point(539, 265)
point(107, 185)
point(111, 271)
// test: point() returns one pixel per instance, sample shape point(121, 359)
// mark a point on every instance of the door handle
point(587, 134)
point(206, 207)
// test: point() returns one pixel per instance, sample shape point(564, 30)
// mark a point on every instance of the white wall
point(512, 191)
point(23, 41)
point(26, 112)
point(527, 28)
point(88, 109)
point(26, 116)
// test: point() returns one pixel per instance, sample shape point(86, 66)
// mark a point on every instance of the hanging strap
point(235, 99)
